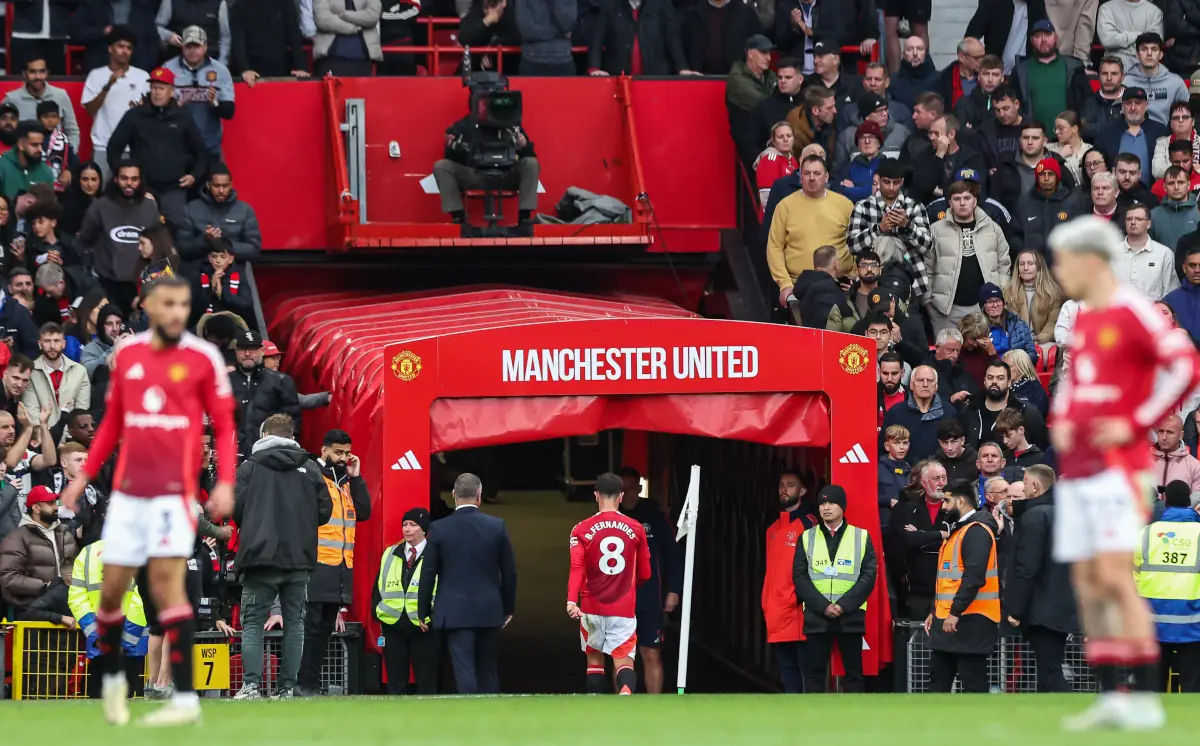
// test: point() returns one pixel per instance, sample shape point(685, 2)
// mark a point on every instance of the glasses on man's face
point(868, 265)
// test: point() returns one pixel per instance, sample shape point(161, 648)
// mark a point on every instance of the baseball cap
point(967, 174)
point(1194, 87)
point(249, 340)
point(193, 35)
point(1134, 94)
point(162, 75)
point(824, 47)
point(880, 299)
point(39, 494)
point(269, 349)
point(759, 43)
point(9, 107)
point(1042, 25)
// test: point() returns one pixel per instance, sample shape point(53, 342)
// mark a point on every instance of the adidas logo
point(407, 462)
point(855, 455)
point(136, 373)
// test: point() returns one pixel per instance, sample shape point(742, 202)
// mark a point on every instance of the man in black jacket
point(840, 23)
point(260, 392)
point(961, 633)
point(281, 502)
point(1103, 107)
point(455, 174)
point(819, 293)
point(164, 140)
point(1140, 128)
point(1049, 204)
point(789, 78)
point(834, 572)
point(1038, 598)
point(16, 322)
point(266, 40)
point(919, 525)
point(992, 24)
point(715, 34)
point(470, 559)
point(979, 418)
point(649, 30)
point(94, 21)
point(975, 108)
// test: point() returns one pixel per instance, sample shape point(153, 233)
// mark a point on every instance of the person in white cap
point(1128, 370)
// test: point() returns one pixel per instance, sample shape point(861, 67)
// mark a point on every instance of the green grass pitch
point(760, 720)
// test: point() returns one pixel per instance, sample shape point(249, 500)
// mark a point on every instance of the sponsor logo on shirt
point(125, 234)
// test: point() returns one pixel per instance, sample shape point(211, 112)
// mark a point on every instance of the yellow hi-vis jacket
point(83, 598)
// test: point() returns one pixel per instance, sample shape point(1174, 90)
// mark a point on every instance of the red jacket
point(785, 621)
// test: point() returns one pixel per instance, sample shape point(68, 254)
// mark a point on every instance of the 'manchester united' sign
point(630, 363)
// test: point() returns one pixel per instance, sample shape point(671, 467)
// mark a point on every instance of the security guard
point(84, 599)
point(965, 622)
point(834, 572)
point(1167, 573)
point(331, 584)
point(395, 600)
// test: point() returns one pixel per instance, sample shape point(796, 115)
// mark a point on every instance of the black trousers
point(816, 661)
point(918, 606)
point(319, 620)
point(1184, 659)
point(1049, 651)
point(405, 644)
point(790, 657)
point(473, 655)
point(342, 68)
point(971, 669)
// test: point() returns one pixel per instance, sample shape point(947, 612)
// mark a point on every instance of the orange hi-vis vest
point(950, 577)
point(335, 540)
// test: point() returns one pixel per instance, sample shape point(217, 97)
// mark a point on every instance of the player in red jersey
point(162, 383)
point(610, 558)
point(1129, 368)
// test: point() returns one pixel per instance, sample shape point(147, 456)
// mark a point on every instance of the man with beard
point(10, 118)
point(965, 620)
point(111, 91)
point(1049, 83)
point(1134, 134)
point(163, 136)
point(781, 610)
point(917, 72)
point(892, 224)
point(329, 587)
point(1018, 176)
point(1131, 186)
point(891, 382)
point(1104, 106)
point(867, 264)
point(110, 231)
point(23, 166)
point(1001, 133)
point(17, 329)
point(260, 392)
point(37, 91)
point(979, 418)
point(660, 594)
point(58, 383)
point(36, 560)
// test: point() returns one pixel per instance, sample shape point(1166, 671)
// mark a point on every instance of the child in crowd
point(960, 461)
point(893, 471)
point(56, 148)
point(1010, 426)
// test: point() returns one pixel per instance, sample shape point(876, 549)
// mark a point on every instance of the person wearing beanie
point(36, 560)
point(282, 502)
point(1008, 331)
point(855, 179)
point(1049, 203)
point(874, 107)
point(834, 572)
point(394, 599)
point(1018, 176)
point(109, 321)
point(1174, 596)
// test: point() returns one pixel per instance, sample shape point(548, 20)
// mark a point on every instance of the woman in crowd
point(1094, 162)
point(1033, 295)
point(158, 259)
point(1069, 144)
point(84, 187)
point(1025, 382)
point(1183, 127)
point(776, 161)
point(856, 178)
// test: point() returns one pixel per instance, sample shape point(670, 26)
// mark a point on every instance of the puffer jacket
point(944, 260)
point(861, 172)
point(27, 561)
point(1037, 215)
point(1179, 464)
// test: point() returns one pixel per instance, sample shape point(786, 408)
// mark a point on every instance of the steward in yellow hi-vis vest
point(331, 584)
point(84, 600)
point(395, 603)
point(834, 573)
point(965, 622)
point(1167, 572)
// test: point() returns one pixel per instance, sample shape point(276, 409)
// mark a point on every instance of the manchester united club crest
point(177, 373)
point(406, 365)
point(1106, 337)
point(941, 215)
point(853, 359)
point(1062, 216)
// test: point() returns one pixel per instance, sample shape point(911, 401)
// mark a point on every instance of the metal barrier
point(50, 662)
point(1010, 667)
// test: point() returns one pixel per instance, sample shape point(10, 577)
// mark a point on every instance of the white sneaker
point(115, 694)
point(1107, 711)
point(179, 710)
point(1144, 712)
point(248, 691)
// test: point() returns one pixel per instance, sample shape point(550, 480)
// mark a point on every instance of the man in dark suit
point(471, 560)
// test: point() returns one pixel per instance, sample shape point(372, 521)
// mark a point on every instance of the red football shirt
point(610, 558)
point(157, 399)
point(1125, 362)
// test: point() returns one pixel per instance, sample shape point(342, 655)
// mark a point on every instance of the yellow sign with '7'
point(210, 666)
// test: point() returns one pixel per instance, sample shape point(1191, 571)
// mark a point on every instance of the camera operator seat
point(493, 206)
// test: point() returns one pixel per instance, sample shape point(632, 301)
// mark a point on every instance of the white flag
point(687, 516)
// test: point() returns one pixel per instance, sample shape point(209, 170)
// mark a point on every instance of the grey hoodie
point(1172, 220)
point(1162, 87)
point(110, 231)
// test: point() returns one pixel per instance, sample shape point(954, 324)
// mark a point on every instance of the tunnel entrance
point(541, 502)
